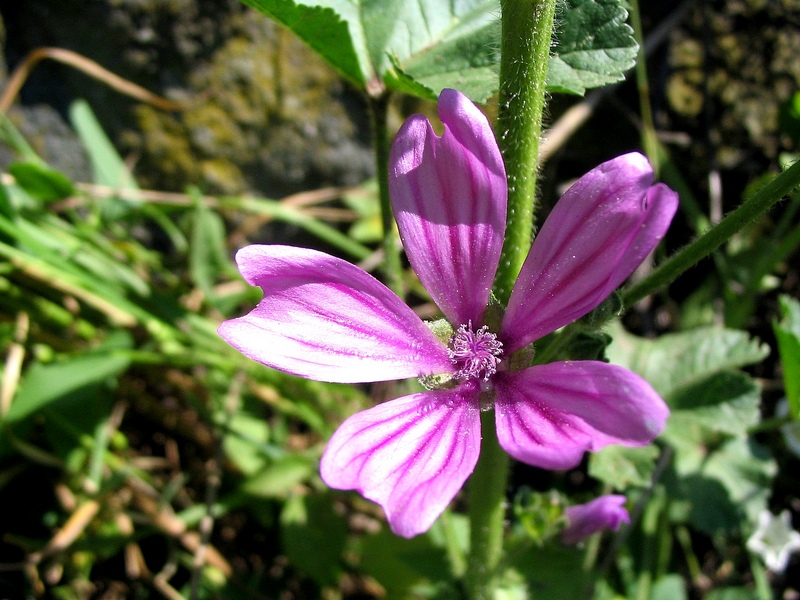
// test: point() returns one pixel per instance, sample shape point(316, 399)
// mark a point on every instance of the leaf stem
point(527, 27)
point(752, 208)
point(392, 270)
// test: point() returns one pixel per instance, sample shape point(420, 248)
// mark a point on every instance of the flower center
point(475, 353)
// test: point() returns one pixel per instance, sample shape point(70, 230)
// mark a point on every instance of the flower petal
point(325, 319)
point(603, 227)
point(549, 415)
point(410, 455)
point(605, 512)
point(449, 198)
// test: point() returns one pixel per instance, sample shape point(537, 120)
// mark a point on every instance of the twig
point(13, 366)
point(85, 65)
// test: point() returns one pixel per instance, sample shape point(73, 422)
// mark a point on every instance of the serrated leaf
point(594, 46)
point(331, 28)
point(420, 48)
point(464, 54)
point(622, 467)
point(787, 334)
point(439, 43)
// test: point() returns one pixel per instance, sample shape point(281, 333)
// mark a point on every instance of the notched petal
point(410, 455)
point(603, 227)
point(449, 198)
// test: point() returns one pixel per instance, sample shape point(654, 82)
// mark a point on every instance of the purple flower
point(605, 512)
point(325, 319)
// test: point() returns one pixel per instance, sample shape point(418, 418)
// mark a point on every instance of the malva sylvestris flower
point(326, 319)
point(583, 520)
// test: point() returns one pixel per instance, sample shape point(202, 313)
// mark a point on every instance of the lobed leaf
point(419, 48)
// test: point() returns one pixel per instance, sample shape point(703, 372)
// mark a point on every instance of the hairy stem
point(752, 208)
point(527, 27)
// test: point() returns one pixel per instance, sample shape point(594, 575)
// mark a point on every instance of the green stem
point(527, 26)
point(649, 139)
point(458, 562)
point(290, 215)
point(770, 424)
point(690, 255)
point(487, 508)
point(392, 270)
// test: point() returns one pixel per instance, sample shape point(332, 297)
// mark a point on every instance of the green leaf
point(41, 182)
point(552, 571)
point(331, 28)
point(314, 537)
point(787, 333)
point(208, 256)
point(461, 50)
point(594, 46)
point(419, 48)
point(108, 168)
point(732, 593)
point(668, 587)
point(245, 439)
point(622, 467)
point(17, 142)
point(414, 47)
point(45, 384)
point(680, 359)
point(726, 402)
point(724, 486)
point(279, 479)
point(400, 564)
point(718, 476)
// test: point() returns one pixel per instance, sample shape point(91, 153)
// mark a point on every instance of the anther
point(475, 353)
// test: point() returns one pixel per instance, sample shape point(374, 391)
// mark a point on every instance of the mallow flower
point(326, 319)
point(605, 512)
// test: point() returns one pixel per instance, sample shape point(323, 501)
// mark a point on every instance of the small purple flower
point(605, 512)
point(323, 318)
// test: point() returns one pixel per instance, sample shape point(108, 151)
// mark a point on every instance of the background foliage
point(141, 456)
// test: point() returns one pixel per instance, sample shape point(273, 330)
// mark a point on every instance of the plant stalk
point(487, 509)
point(680, 262)
point(392, 269)
point(527, 27)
